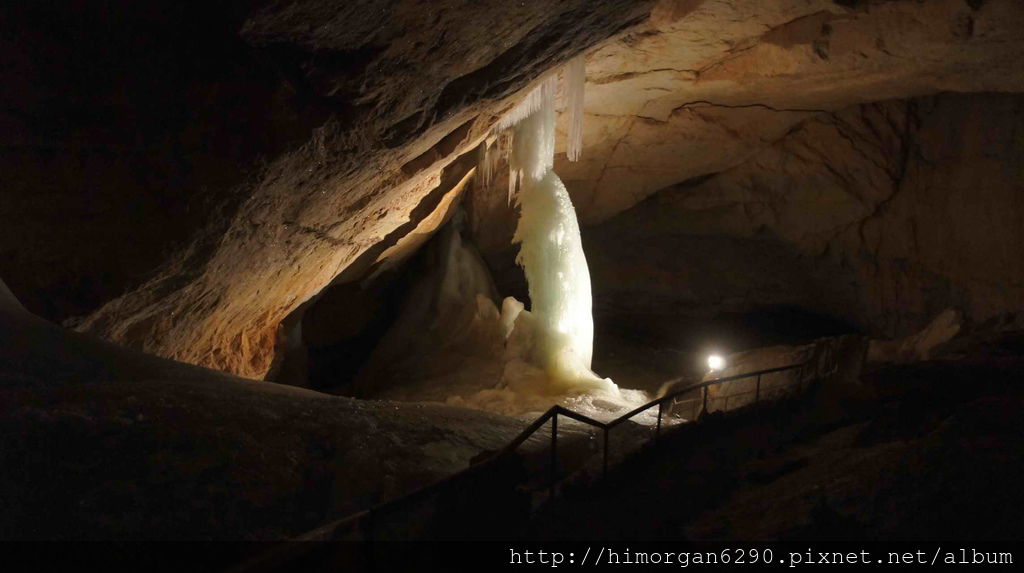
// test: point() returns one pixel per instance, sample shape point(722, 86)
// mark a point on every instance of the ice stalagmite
point(453, 343)
point(551, 253)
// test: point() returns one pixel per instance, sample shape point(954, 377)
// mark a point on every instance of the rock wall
point(884, 214)
point(703, 86)
point(222, 165)
point(368, 106)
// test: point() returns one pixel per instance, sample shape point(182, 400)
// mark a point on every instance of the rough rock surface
point(896, 210)
point(702, 86)
point(326, 132)
point(392, 94)
point(920, 345)
point(770, 105)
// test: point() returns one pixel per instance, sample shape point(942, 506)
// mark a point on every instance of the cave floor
point(99, 442)
point(127, 446)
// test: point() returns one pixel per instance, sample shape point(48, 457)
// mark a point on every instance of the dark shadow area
point(128, 127)
point(333, 336)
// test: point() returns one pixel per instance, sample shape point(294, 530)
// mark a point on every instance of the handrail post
point(705, 400)
point(657, 429)
point(554, 452)
point(605, 470)
point(366, 524)
point(368, 538)
point(757, 390)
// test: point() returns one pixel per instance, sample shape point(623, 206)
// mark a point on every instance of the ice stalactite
point(540, 147)
point(538, 96)
point(492, 150)
point(485, 163)
point(575, 77)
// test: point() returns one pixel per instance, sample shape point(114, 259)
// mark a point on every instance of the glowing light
point(716, 362)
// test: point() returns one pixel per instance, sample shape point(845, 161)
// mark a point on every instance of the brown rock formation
point(703, 86)
point(333, 137)
point(882, 214)
point(396, 91)
point(869, 211)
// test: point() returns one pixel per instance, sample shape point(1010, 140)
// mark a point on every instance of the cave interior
point(263, 267)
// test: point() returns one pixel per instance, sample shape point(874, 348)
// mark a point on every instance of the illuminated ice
point(453, 341)
point(575, 79)
point(551, 253)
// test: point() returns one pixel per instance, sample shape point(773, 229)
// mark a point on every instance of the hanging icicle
point(575, 78)
point(534, 100)
point(514, 175)
point(489, 154)
point(483, 162)
point(533, 150)
point(542, 144)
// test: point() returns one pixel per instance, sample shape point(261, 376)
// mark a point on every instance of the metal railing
point(363, 521)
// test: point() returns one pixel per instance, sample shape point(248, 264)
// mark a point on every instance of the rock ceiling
point(702, 86)
point(400, 93)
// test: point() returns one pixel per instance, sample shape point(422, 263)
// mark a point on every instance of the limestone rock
point(702, 86)
point(322, 140)
point(889, 213)
point(917, 346)
point(390, 101)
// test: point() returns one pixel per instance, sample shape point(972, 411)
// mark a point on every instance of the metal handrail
point(551, 414)
point(366, 517)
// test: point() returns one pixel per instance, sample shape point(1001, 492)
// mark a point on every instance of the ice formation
point(453, 343)
point(575, 79)
point(551, 254)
